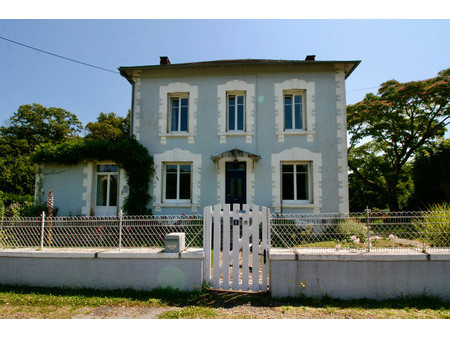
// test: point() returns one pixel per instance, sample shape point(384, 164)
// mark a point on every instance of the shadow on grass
point(215, 299)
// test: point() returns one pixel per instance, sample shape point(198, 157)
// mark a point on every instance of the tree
point(108, 127)
point(431, 177)
point(387, 129)
point(29, 127)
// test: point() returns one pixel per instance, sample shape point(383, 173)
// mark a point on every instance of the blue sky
point(404, 50)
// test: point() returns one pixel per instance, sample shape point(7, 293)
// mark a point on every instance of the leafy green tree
point(108, 127)
point(387, 129)
point(431, 176)
point(29, 127)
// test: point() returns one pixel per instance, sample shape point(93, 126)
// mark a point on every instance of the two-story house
point(266, 132)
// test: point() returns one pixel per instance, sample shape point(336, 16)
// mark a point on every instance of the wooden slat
point(207, 223)
point(256, 220)
point(265, 228)
point(236, 249)
point(245, 246)
point(226, 248)
point(216, 255)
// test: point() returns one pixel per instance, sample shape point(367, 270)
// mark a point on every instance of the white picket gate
point(239, 240)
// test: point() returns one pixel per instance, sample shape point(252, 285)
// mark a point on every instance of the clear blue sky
point(404, 50)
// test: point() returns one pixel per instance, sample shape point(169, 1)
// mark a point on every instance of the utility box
point(175, 242)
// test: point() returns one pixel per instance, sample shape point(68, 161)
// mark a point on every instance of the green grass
point(33, 302)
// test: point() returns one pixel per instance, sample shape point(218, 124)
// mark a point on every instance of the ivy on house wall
point(127, 153)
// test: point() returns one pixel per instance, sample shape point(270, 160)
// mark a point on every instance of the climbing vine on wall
point(127, 153)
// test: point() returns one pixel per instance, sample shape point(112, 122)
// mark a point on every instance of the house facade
point(266, 132)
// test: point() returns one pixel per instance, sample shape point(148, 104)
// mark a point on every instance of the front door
point(235, 183)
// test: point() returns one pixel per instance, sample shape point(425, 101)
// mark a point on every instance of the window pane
point(185, 184)
point(302, 186)
point(240, 113)
point(113, 190)
point(287, 112)
point(175, 110)
point(184, 115)
point(298, 112)
point(287, 168)
point(107, 168)
point(302, 168)
point(185, 168)
point(231, 112)
point(102, 186)
point(171, 182)
point(288, 186)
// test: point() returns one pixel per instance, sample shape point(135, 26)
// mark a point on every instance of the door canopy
point(234, 154)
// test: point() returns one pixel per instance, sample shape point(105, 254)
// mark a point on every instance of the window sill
point(235, 133)
point(297, 205)
point(176, 134)
point(296, 132)
point(158, 206)
point(309, 134)
point(189, 136)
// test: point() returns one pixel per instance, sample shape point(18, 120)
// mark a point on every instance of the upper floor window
point(236, 111)
point(179, 112)
point(294, 116)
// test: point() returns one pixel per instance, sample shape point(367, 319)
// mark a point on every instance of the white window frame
point(107, 173)
point(178, 199)
point(172, 97)
point(293, 94)
point(309, 172)
point(236, 94)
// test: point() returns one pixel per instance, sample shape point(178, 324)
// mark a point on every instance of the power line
point(59, 56)
point(354, 90)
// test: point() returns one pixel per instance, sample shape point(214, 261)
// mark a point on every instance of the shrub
point(348, 228)
point(434, 225)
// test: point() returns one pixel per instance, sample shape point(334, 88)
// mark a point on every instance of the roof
point(126, 72)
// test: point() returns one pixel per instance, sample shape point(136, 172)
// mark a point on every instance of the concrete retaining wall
point(103, 270)
point(355, 276)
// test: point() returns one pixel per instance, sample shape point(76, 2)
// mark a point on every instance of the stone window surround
point(164, 110)
point(176, 156)
point(233, 87)
point(290, 86)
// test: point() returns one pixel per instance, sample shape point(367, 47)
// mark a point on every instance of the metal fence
point(362, 232)
point(98, 232)
point(355, 232)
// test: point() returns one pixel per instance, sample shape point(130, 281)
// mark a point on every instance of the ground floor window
point(177, 185)
point(107, 185)
point(295, 182)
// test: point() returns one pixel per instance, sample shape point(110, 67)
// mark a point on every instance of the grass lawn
point(28, 302)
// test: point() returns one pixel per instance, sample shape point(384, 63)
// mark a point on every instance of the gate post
point(207, 244)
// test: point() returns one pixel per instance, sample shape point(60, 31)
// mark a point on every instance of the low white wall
point(355, 276)
point(103, 270)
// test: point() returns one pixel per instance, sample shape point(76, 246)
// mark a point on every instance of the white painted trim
point(177, 155)
point(136, 103)
point(341, 120)
point(310, 93)
point(222, 90)
point(250, 177)
point(297, 155)
point(86, 196)
point(177, 87)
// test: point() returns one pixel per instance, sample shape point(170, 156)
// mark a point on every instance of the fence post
point(368, 228)
point(120, 229)
point(42, 229)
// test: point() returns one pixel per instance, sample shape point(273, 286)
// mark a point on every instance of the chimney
point(164, 60)
point(310, 58)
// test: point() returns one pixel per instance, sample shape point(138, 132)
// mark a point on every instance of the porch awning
point(234, 154)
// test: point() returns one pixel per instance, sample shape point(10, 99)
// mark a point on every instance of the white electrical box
point(175, 242)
